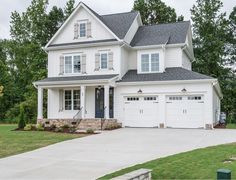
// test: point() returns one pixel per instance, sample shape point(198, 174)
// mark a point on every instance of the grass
point(15, 142)
point(231, 126)
point(197, 164)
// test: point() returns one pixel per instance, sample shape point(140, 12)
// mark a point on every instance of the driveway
point(97, 155)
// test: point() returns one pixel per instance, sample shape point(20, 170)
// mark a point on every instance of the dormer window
point(82, 30)
point(150, 63)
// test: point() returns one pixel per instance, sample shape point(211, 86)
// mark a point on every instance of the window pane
point(82, 30)
point(104, 61)
point(76, 64)
point(145, 63)
point(155, 62)
point(76, 99)
point(68, 102)
point(68, 64)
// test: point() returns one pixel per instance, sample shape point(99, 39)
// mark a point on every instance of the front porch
point(84, 105)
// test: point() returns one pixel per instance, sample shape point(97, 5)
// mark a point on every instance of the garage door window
point(150, 98)
point(175, 98)
point(132, 99)
point(194, 98)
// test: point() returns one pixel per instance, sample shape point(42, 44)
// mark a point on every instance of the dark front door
point(99, 102)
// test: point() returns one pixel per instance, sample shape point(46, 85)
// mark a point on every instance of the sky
point(100, 6)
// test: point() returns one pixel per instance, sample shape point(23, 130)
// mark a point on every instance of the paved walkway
point(94, 156)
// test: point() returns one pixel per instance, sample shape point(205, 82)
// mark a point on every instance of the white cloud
point(100, 6)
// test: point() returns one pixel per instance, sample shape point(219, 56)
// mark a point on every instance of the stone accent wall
point(140, 174)
point(84, 124)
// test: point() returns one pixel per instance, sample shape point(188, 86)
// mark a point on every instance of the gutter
point(186, 50)
point(217, 88)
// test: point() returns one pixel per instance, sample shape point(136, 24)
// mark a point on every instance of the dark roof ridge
point(165, 23)
point(120, 13)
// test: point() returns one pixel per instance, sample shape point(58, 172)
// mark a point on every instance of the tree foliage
point(23, 60)
point(155, 12)
point(212, 41)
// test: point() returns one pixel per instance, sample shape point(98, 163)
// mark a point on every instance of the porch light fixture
point(140, 91)
point(183, 90)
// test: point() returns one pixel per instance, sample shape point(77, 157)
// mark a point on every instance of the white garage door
point(184, 111)
point(141, 111)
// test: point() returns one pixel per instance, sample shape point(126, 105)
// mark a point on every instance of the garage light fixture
point(140, 91)
point(184, 90)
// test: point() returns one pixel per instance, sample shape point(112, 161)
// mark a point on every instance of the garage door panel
point(184, 111)
point(142, 112)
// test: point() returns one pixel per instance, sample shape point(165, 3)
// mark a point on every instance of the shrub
point(58, 129)
point(65, 126)
point(39, 127)
point(28, 127)
point(72, 129)
point(90, 131)
point(112, 127)
point(21, 123)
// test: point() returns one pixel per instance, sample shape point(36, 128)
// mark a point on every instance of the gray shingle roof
point(119, 23)
point(171, 74)
point(174, 33)
point(77, 78)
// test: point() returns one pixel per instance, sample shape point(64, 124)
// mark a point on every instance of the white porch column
point(106, 101)
point(40, 103)
point(82, 101)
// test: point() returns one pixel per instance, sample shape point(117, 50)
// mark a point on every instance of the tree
point(155, 12)
point(1, 91)
point(232, 39)
point(69, 8)
point(21, 122)
point(22, 59)
point(211, 32)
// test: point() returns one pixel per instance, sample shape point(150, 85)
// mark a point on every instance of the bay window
point(72, 99)
point(72, 64)
point(150, 63)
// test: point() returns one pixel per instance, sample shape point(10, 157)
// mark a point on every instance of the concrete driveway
point(94, 156)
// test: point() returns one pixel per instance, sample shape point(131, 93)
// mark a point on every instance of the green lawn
point(197, 164)
point(231, 126)
point(15, 142)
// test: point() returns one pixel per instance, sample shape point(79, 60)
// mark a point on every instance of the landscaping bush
point(39, 127)
point(28, 127)
point(58, 129)
point(21, 123)
point(90, 131)
point(112, 127)
point(72, 130)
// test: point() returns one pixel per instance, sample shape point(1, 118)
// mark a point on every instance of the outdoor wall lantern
point(184, 90)
point(140, 91)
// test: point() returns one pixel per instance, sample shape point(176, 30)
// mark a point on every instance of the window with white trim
point(72, 64)
point(150, 98)
point(82, 30)
point(175, 98)
point(104, 60)
point(194, 98)
point(150, 62)
point(132, 98)
point(72, 99)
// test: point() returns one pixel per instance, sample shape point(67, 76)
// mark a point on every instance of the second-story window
point(82, 30)
point(72, 64)
point(150, 62)
point(104, 60)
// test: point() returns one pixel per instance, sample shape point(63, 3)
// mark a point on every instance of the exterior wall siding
point(186, 62)
point(54, 60)
point(173, 57)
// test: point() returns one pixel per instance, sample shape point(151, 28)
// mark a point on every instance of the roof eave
point(159, 46)
point(167, 82)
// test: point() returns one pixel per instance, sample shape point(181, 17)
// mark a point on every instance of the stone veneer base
point(84, 124)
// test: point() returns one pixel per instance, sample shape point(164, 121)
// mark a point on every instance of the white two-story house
point(114, 67)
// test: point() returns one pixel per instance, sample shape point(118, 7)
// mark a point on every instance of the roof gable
point(81, 12)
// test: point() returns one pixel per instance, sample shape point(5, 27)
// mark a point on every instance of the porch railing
point(78, 116)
